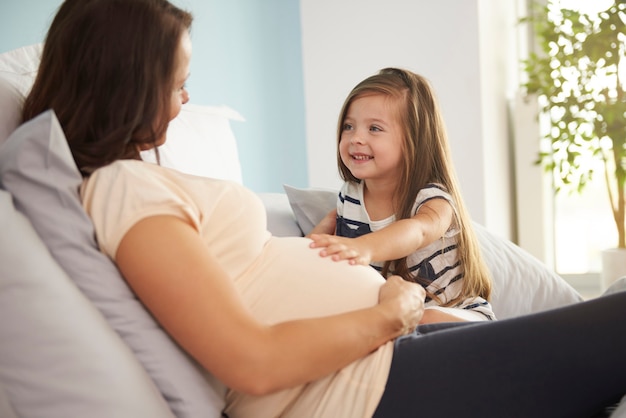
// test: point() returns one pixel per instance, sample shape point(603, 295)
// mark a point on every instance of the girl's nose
point(185, 96)
point(357, 138)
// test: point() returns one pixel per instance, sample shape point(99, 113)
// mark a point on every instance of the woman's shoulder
point(126, 167)
point(119, 168)
point(132, 171)
point(121, 177)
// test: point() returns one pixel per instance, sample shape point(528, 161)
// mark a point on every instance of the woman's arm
point(175, 275)
point(397, 240)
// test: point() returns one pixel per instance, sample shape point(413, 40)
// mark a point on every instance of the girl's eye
point(375, 128)
point(346, 127)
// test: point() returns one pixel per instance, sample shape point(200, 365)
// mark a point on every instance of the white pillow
point(18, 69)
point(521, 283)
point(617, 286)
point(200, 142)
point(20, 65)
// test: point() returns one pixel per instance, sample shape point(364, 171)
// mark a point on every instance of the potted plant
point(579, 78)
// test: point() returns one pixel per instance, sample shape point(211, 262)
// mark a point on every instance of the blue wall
point(247, 55)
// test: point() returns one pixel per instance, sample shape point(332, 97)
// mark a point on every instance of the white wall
point(499, 38)
point(459, 45)
point(246, 55)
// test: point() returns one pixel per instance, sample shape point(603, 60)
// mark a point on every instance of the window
point(580, 226)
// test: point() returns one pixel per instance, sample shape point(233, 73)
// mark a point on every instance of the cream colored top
point(279, 278)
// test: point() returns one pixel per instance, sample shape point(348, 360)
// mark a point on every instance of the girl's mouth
point(361, 157)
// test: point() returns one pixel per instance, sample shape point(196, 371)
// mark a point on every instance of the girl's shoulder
point(351, 191)
point(432, 190)
point(351, 187)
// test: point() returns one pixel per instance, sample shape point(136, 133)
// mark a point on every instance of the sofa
point(74, 339)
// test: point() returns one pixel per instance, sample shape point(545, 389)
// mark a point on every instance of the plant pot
point(613, 266)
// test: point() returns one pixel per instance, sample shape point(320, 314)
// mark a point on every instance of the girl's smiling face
point(371, 142)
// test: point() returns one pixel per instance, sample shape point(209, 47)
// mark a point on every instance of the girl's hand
point(342, 248)
point(405, 299)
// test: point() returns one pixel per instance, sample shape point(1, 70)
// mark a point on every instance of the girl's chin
point(359, 174)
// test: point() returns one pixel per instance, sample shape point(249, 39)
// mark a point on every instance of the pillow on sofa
point(6, 409)
point(36, 166)
point(11, 101)
point(53, 341)
point(200, 141)
point(310, 205)
point(618, 285)
point(20, 66)
point(280, 219)
point(522, 284)
point(17, 69)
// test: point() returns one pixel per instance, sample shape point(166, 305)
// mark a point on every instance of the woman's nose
point(185, 96)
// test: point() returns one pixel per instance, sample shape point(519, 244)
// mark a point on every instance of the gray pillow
point(6, 410)
point(280, 219)
point(618, 285)
point(58, 356)
point(521, 283)
point(620, 409)
point(310, 205)
point(36, 166)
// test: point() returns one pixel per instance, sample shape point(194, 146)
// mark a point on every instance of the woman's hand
point(341, 248)
point(404, 299)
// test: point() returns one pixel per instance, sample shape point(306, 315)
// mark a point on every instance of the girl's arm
point(443, 314)
point(397, 240)
point(183, 285)
point(327, 225)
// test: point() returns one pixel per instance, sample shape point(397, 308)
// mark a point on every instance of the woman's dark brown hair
point(107, 72)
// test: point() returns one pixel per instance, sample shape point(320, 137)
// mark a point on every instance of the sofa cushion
point(36, 166)
point(58, 356)
point(280, 219)
point(521, 283)
point(200, 141)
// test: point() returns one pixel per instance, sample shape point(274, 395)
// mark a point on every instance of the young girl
point(400, 208)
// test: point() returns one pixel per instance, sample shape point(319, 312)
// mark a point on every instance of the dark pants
point(567, 362)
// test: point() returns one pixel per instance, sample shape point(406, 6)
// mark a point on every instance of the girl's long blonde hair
point(426, 160)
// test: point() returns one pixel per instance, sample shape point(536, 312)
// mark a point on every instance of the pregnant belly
point(290, 281)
